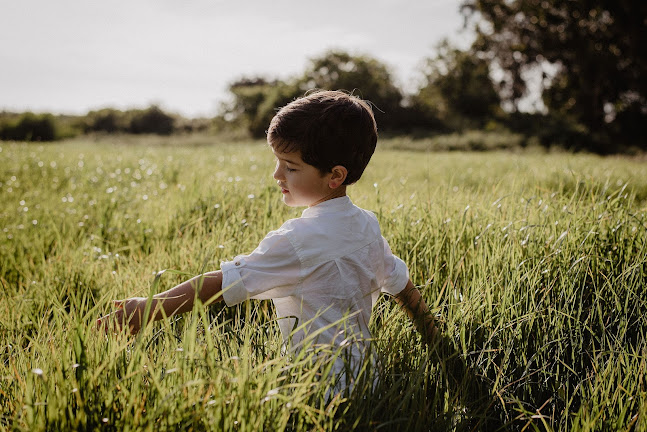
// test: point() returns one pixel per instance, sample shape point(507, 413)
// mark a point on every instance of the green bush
point(553, 131)
point(29, 127)
point(474, 140)
point(151, 120)
point(106, 120)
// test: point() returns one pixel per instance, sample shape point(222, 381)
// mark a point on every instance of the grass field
point(536, 263)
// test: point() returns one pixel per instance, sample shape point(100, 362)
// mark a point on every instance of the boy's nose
point(277, 174)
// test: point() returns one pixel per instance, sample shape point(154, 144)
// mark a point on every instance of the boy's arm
point(177, 300)
point(411, 300)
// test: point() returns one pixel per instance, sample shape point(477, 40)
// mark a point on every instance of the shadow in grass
point(482, 408)
point(434, 391)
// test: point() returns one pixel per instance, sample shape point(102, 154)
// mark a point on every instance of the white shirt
point(327, 265)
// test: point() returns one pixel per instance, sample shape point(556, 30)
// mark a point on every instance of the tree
point(362, 75)
point(256, 99)
point(105, 120)
point(458, 92)
point(29, 127)
point(151, 120)
point(591, 54)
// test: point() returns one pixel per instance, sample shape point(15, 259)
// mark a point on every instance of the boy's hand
point(128, 315)
point(179, 299)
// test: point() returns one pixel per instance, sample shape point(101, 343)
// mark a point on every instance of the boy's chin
point(289, 202)
point(292, 203)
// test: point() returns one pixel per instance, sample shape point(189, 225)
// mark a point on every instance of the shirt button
point(237, 263)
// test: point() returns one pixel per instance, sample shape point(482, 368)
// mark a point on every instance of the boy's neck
point(335, 193)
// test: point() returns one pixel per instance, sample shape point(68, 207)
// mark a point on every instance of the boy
point(324, 271)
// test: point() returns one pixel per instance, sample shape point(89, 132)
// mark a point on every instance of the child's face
point(302, 184)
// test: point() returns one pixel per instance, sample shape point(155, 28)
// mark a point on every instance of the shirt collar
point(335, 205)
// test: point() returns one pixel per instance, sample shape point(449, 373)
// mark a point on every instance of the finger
point(103, 323)
point(110, 322)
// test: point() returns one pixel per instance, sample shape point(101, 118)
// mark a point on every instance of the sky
point(73, 56)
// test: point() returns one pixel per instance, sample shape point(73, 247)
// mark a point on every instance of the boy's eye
point(288, 169)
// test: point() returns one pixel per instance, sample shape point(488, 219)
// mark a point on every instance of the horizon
point(70, 59)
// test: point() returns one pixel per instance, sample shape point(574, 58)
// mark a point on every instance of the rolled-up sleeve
point(272, 270)
point(396, 273)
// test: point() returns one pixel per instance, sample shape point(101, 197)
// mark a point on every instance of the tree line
point(584, 57)
point(49, 127)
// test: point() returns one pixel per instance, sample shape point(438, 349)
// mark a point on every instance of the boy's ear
point(338, 176)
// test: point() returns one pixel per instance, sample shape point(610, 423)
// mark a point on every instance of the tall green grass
point(536, 264)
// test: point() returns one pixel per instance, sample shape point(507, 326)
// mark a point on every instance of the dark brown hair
point(329, 128)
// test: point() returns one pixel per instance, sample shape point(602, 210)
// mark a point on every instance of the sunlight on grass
point(536, 264)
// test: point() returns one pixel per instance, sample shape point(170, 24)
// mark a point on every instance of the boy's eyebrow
point(287, 160)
